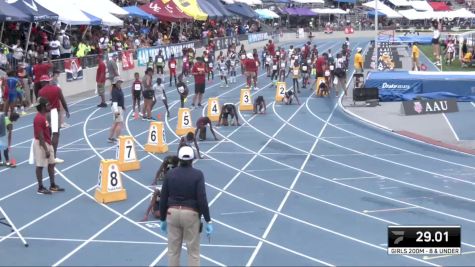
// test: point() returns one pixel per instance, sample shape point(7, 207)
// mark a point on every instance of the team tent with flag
point(165, 10)
point(192, 9)
point(136, 12)
point(70, 16)
point(34, 11)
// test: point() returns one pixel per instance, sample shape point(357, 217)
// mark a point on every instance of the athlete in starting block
point(260, 105)
point(289, 96)
point(189, 140)
point(228, 109)
point(154, 206)
point(201, 128)
point(168, 163)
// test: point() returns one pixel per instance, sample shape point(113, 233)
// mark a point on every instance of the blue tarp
point(372, 13)
point(10, 13)
point(35, 11)
point(242, 10)
point(404, 85)
point(94, 20)
point(406, 39)
point(135, 11)
point(208, 8)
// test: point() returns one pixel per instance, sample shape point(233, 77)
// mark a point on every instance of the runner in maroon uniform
point(201, 128)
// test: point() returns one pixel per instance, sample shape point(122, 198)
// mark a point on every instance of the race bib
point(296, 72)
point(181, 89)
point(304, 68)
point(332, 67)
point(243, 56)
point(211, 64)
point(233, 63)
point(274, 67)
point(327, 73)
point(172, 66)
point(282, 65)
point(277, 53)
point(159, 60)
point(137, 87)
point(184, 60)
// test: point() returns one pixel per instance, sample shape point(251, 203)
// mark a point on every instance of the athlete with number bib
point(182, 89)
point(160, 89)
point(172, 68)
point(223, 71)
point(289, 96)
point(228, 110)
point(201, 128)
point(260, 105)
point(189, 140)
point(159, 62)
point(136, 93)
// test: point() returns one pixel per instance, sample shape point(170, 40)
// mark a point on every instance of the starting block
point(280, 91)
point(245, 100)
point(109, 186)
point(156, 142)
point(184, 123)
point(318, 89)
point(126, 155)
point(214, 109)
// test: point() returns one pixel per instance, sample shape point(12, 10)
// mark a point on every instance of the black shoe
point(56, 188)
point(102, 105)
point(43, 191)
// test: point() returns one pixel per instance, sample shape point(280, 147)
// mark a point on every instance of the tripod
point(7, 222)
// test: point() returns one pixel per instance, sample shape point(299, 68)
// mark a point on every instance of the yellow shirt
point(468, 56)
point(358, 61)
point(415, 51)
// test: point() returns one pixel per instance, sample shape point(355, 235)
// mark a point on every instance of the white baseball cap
point(186, 153)
point(249, 56)
point(359, 49)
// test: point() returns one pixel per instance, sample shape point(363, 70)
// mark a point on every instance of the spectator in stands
point(101, 81)
point(38, 71)
point(467, 59)
point(54, 48)
point(17, 52)
point(65, 45)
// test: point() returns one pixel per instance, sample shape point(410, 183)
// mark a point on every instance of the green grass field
point(454, 66)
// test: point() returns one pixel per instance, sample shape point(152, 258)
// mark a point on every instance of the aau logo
point(32, 5)
point(418, 107)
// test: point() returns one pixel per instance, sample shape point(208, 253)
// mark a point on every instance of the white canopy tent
point(108, 6)
point(400, 3)
point(91, 8)
point(421, 5)
point(249, 2)
point(389, 12)
point(329, 11)
point(228, 2)
point(67, 15)
point(309, 1)
point(412, 14)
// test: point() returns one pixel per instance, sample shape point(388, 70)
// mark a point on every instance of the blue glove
point(209, 229)
point(163, 227)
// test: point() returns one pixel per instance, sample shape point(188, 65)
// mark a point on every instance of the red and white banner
point(73, 69)
point(127, 60)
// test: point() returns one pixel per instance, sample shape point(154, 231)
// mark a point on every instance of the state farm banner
point(73, 69)
point(127, 60)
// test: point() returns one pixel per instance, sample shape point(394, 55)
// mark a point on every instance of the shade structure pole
point(1, 33)
point(376, 33)
point(28, 40)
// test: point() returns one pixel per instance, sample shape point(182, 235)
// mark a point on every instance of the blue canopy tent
point(136, 12)
point(220, 7)
point(10, 13)
point(346, 1)
point(208, 8)
point(242, 10)
point(35, 11)
point(372, 13)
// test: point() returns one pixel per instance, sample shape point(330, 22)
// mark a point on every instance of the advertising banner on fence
point(127, 60)
point(73, 69)
point(177, 49)
point(223, 43)
point(257, 37)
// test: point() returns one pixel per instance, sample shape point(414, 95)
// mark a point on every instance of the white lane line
point(102, 230)
point(451, 127)
point(356, 178)
point(389, 210)
point(294, 182)
point(238, 213)
point(122, 216)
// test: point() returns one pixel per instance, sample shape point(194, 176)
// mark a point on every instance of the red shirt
point(172, 64)
point(51, 92)
point(321, 62)
point(101, 72)
point(41, 69)
point(271, 49)
point(199, 70)
point(41, 125)
point(250, 65)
